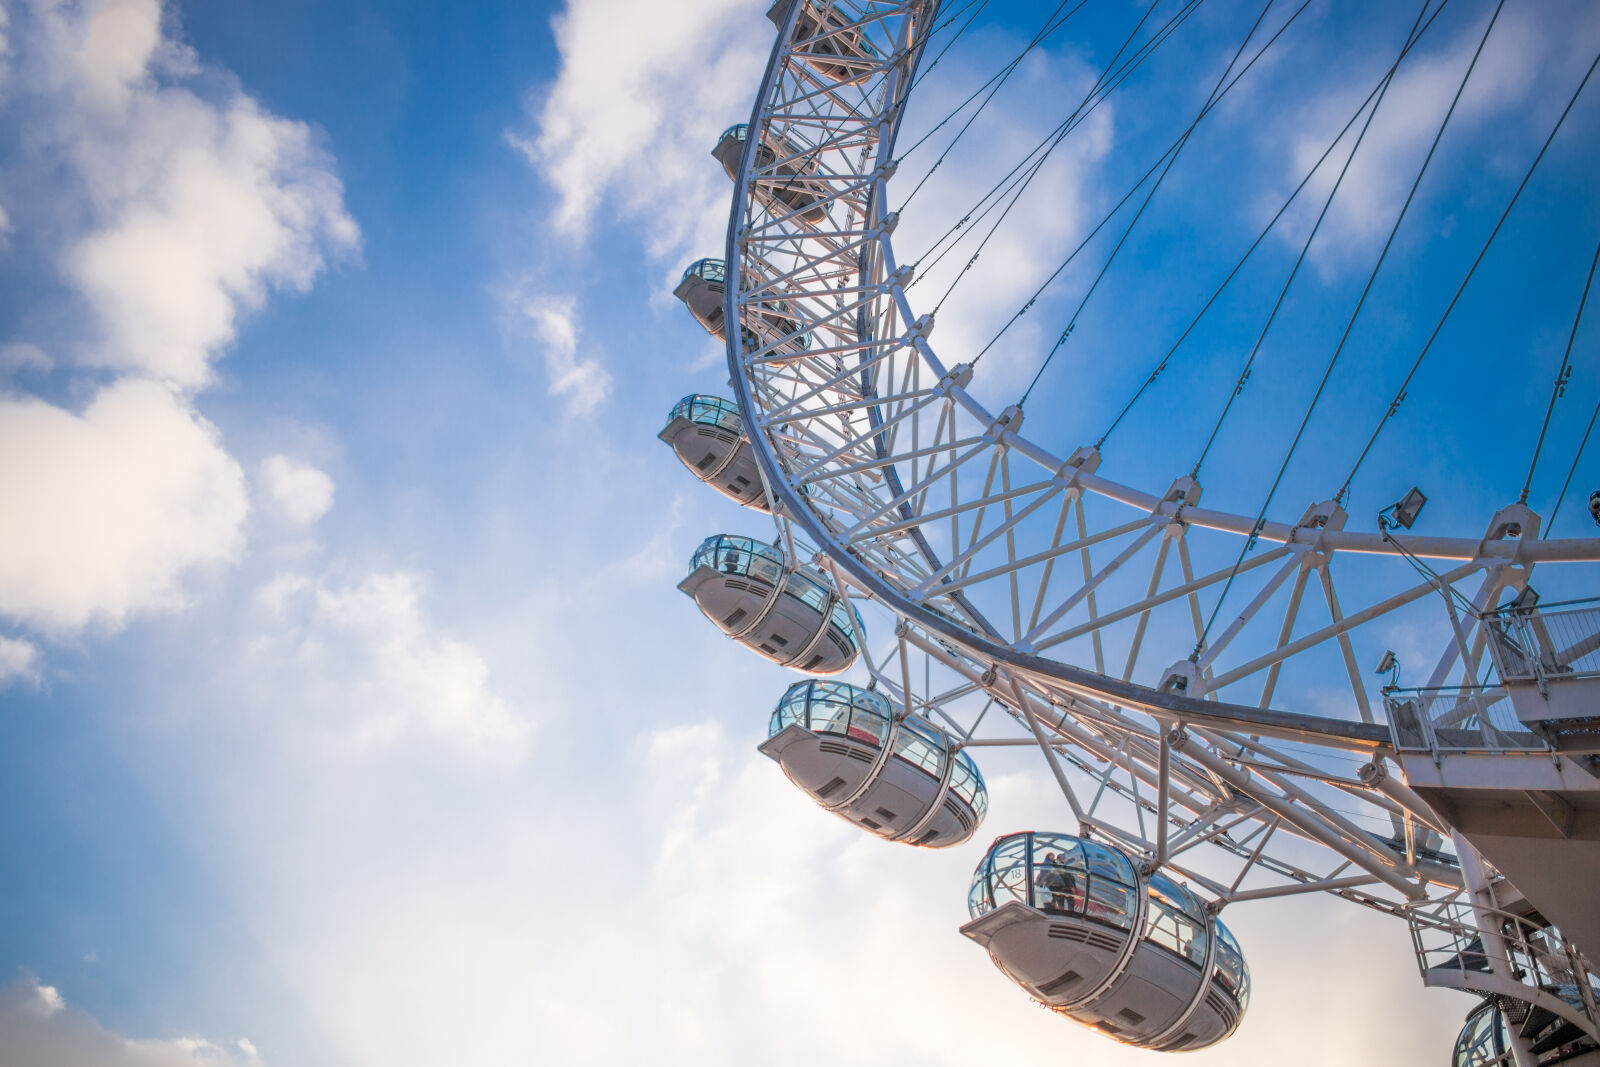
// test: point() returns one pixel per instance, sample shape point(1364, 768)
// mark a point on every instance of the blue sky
point(350, 716)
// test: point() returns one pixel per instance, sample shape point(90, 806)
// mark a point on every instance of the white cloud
point(1520, 51)
point(22, 356)
point(376, 668)
point(299, 492)
point(47, 999)
point(1050, 218)
point(19, 661)
point(584, 382)
point(643, 91)
point(186, 210)
point(111, 506)
point(38, 1029)
point(169, 211)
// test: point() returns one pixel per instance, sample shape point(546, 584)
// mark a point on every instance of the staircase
point(1542, 985)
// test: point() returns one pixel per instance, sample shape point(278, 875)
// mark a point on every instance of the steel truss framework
point(1039, 601)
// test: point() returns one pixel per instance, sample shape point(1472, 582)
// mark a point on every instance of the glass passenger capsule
point(707, 434)
point(1485, 1039)
point(844, 55)
point(785, 175)
point(701, 289)
point(899, 778)
point(1072, 922)
point(793, 617)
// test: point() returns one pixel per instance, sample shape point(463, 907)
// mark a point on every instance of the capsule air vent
point(958, 812)
point(1096, 939)
point(926, 838)
point(811, 664)
point(711, 457)
point(1132, 1016)
point(831, 788)
point(1056, 985)
point(1225, 1008)
point(734, 619)
point(888, 816)
point(869, 824)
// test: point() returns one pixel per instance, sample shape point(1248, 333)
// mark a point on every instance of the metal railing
point(1540, 644)
point(1527, 645)
point(1458, 719)
point(1452, 950)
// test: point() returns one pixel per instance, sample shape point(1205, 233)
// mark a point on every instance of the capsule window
point(1232, 973)
point(1170, 924)
point(917, 750)
point(1009, 873)
point(1110, 903)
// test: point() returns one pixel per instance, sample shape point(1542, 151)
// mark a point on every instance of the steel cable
point(1172, 158)
point(1400, 394)
point(1563, 375)
point(1282, 294)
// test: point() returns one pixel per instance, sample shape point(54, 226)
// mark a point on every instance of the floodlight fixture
point(1404, 511)
point(1390, 665)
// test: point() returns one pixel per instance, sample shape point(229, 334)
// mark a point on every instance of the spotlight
point(1390, 665)
point(1404, 511)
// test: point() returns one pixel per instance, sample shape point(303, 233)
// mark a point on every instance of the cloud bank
point(39, 1029)
point(164, 204)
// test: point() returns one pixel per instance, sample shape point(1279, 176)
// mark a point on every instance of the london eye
point(1284, 568)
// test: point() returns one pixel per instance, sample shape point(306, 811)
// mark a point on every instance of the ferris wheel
point(1198, 680)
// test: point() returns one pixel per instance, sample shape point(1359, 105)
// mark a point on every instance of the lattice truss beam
point(1013, 573)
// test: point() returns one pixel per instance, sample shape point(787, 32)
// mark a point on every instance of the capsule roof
point(708, 410)
point(708, 269)
point(735, 553)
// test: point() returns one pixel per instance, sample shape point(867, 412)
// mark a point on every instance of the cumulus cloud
point(644, 89)
point(1051, 215)
point(18, 661)
point(585, 383)
point(299, 492)
point(39, 1029)
point(194, 208)
point(1519, 53)
point(168, 206)
point(110, 505)
point(377, 668)
point(626, 128)
point(22, 356)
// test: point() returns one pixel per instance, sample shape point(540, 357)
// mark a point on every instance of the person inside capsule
point(1055, 878)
